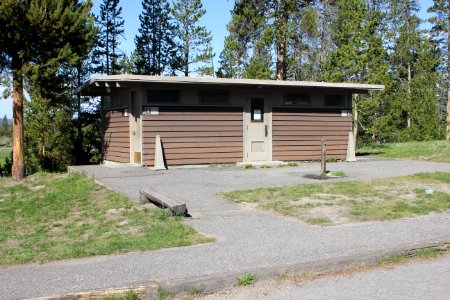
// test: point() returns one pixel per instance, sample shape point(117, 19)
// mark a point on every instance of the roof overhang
point(102, 85)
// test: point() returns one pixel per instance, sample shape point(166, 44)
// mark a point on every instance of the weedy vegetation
point(246, 279)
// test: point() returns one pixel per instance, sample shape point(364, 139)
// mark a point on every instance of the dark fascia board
point(97, 86)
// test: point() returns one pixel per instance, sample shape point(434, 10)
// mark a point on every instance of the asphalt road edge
point(214, 283)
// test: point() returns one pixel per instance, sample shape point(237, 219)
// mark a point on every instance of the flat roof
point(98, 85)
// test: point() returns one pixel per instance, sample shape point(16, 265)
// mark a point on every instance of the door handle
point(266, 127)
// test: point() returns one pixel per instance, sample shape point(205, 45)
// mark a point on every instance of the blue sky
point(216, 18)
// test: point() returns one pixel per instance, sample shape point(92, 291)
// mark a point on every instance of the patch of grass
point(292, 164)
point(282, 165)
point(319, 221)
point(297, 276)
point(394, 259)
point(345, 202)
point(58, 216)
point(248, 166)
point(265, 166)
point(429, 252)
point(130, 295)
point(332, 160)
point(429, 150)
point(195, 292)
point(336, 174)
point(162, 294)
point(246, 279)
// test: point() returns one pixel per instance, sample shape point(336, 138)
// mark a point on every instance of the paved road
point(246, 239)
point(416, 280)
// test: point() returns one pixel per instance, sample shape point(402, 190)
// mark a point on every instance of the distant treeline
point(6, 127)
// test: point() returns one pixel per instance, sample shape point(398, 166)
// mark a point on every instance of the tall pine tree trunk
point(408, 117)
point(281, 54)
point(448, 71)
point(79, 147)
point(355, 120)
point(18, 166)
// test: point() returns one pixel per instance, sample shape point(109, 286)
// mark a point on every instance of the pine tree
point(36, 36)
point(344, 64)
point(245, 29)
point(49, 134)
point(85, 113)
point(194, 40)
point(303, 51)
point(155, 46)
point(111, 28)
point(424, 113)
point(369, 108)
point(231, 64)
point(260, 65)
point(270, 23)
point(5, 128)
point(441, 34)
point(405, 40)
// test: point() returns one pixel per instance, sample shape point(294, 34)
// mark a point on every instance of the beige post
point(323, 155)
point(159, 158)
point(351, 148)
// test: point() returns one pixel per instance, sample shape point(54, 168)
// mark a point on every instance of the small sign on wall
point(153, 111)
point(257, 115)
point(346, 113)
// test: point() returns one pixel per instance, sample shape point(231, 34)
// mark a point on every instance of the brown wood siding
point(116, 136)
point(194, 135)
point(297, 133)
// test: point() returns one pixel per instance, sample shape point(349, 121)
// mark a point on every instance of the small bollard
point(323, 151)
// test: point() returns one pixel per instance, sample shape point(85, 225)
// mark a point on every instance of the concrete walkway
point(246, 239)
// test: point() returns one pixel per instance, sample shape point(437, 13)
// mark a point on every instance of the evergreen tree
point(85, 113)
point(155, 46)
point(245, 30)
point(36, 36)
point(405, 37)
point(303, 52)
point(441, 34)
point(49, 135)
point(260, 65)
point(194, 40)
point(5, 128)
point(369, 109)
point(283, 16)
point(344, 64)
point(111, 28)
point(230, 62)
point(128, 64)
point(425, 123)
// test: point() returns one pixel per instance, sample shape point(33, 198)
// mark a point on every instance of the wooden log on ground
point(163, 201)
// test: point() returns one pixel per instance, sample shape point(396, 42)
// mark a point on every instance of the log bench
point(160, 200)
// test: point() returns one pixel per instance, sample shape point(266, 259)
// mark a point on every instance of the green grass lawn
point(58, 216)
point(354, 201)
point(431, 150)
